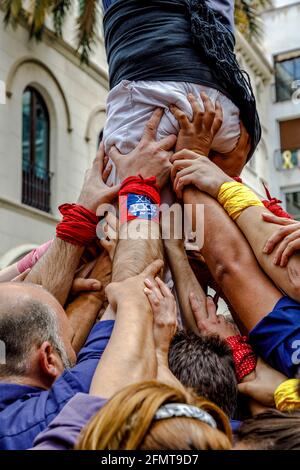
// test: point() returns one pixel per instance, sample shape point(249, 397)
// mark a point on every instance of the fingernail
point(148, 282)
point(265, 250)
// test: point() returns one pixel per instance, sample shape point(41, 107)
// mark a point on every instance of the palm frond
point(12, 9)
point(247, 17)
point(60, 11)
point(37, 11)
point(87, 24)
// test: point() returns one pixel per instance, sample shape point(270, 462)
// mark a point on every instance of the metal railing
point(36, 187)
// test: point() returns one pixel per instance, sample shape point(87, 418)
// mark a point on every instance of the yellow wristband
point(286, 395)
point(236, 197)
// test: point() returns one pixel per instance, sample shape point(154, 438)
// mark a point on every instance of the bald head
point(15, 294)
point(29, 316)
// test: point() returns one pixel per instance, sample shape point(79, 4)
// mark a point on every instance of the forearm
point(84, 311)
point(9, 273)
point(257, 232)
point(232, 263)
point(185, 283)
point(164, 374)
point(127, 361)
point(82, 314)
point(133, 256)
point(55, 270)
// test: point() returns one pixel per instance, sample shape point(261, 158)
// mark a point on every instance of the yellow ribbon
point(236, 197)
point(286, 395)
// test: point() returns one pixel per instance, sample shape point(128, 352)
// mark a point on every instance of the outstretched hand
point(198, 134)
point(132, 289)
point(285, 241)
point(200, 172)
point(207, 320)
point(95, 191)
point(149, 158)
point(164, 310)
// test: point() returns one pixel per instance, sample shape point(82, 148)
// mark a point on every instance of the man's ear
point(50, 363)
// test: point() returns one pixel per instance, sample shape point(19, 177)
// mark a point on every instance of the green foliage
point(247, 17)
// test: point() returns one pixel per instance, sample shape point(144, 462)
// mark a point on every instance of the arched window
point(35, 149)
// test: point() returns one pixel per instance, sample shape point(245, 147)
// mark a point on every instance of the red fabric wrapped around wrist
point(139, 198)
point(78, 226)
point(243, 355)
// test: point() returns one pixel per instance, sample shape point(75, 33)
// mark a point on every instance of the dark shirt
point(224, 8)
point(26, 411)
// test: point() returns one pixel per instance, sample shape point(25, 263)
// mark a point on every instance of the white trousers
point(131, 104)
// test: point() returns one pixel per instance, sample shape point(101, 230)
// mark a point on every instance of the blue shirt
point(276, 338)
point(26, 411)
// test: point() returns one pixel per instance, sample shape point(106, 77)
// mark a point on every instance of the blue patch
point(141, 207)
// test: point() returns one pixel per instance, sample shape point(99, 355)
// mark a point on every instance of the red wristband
point(243, 355)
point(78, 226)
point(139, 198)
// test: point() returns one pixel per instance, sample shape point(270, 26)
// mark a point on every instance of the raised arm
point(55, 270)
point(164, 311)
point(139, 244)
point(84, 310)
point(130, 354)
point(246, 210)
point(185, 280)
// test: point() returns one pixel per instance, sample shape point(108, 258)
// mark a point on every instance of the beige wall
point(84, 90)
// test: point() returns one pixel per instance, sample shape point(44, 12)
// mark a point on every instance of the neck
point(25, 380)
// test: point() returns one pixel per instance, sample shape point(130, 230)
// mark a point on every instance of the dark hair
point(26, 327)
point(272, 430)
point(205, 363)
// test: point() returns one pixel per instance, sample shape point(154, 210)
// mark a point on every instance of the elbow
point(226, 272)
point(293, 288)
point(230, 270)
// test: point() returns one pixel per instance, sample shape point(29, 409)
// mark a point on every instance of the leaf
point(60, 11)
point(247, 17)
point(87, 24)
point(37, 12)
point(12, 9)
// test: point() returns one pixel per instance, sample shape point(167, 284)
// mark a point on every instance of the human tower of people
point(98, 353)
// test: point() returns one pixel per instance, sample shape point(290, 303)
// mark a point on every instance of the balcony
point(36, 187)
